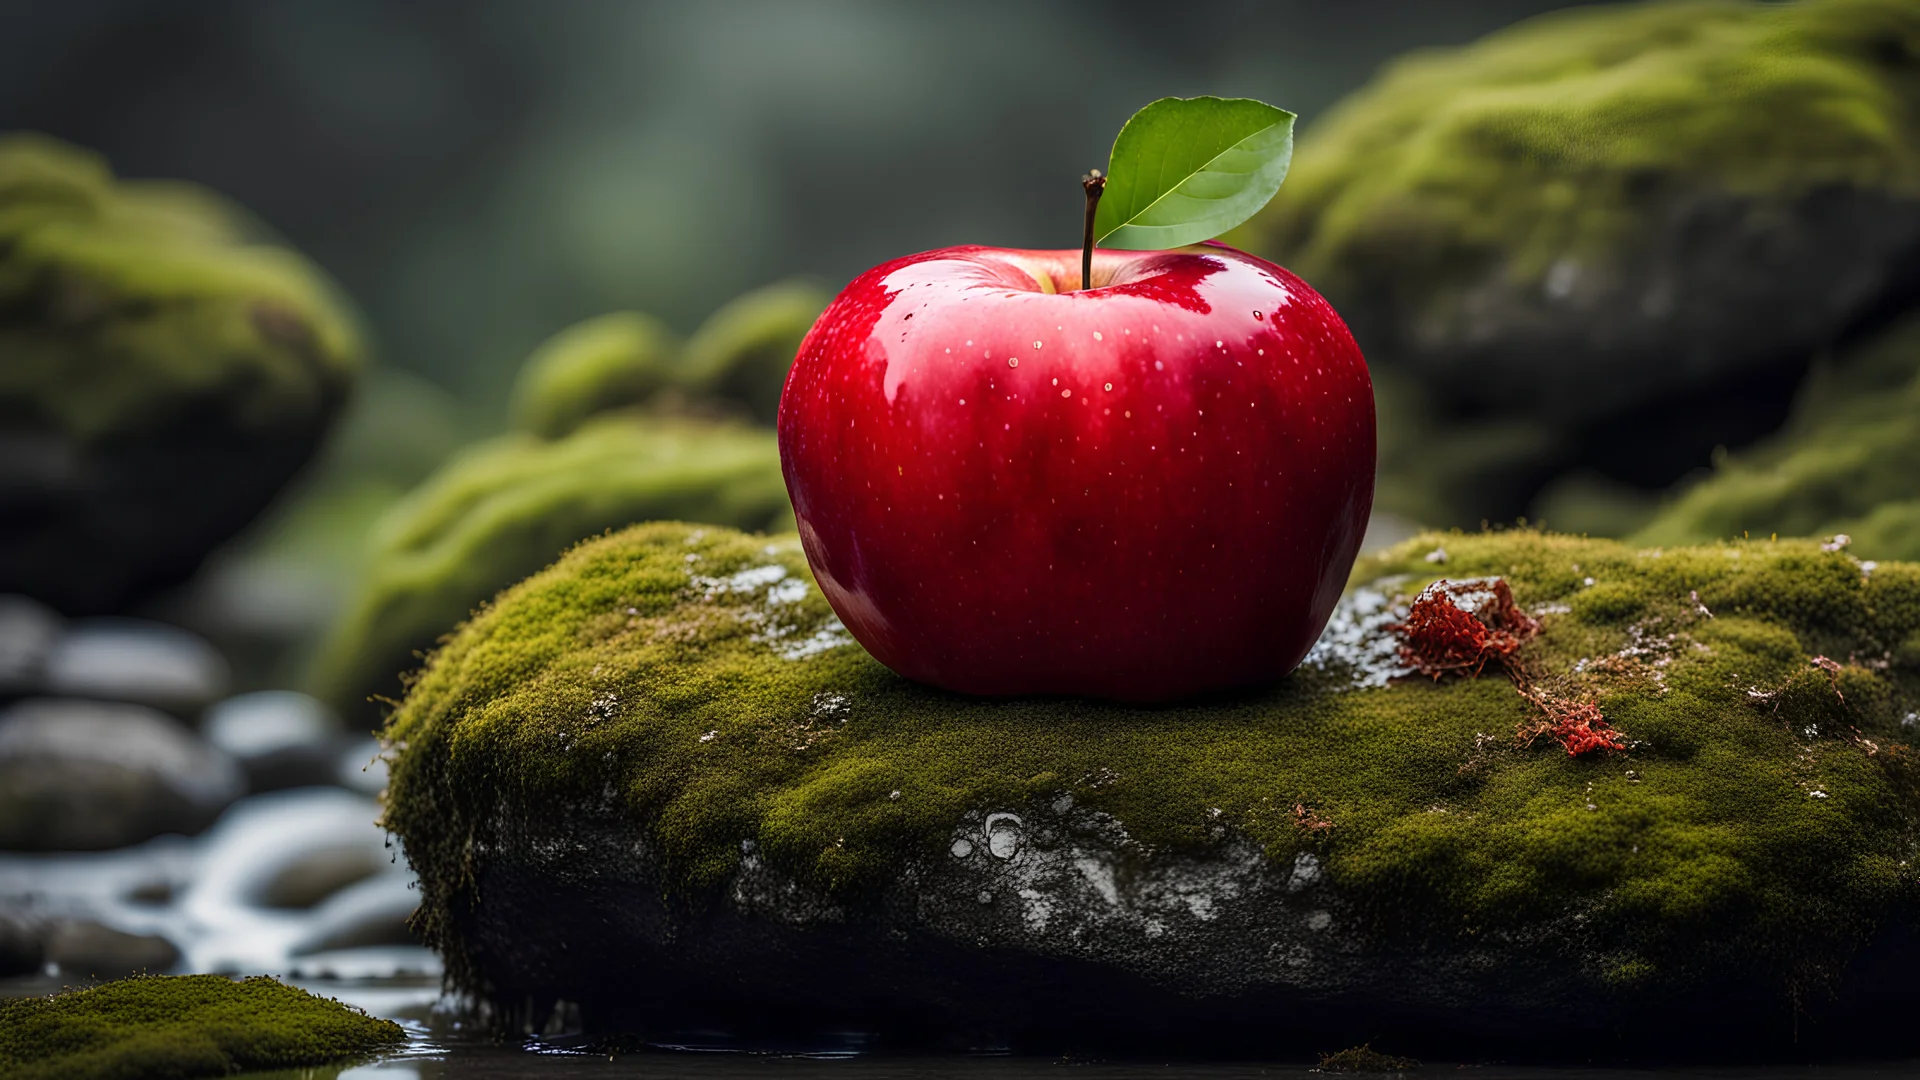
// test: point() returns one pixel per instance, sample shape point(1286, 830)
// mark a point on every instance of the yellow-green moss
point(504, 508)
point(742, 352)
point(697, 678)
point(181, 1026)
point(128, 305)
point(1848, 462)
point(604, 363)
point(1547, 139)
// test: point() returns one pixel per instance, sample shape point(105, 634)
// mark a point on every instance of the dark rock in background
point(281, 738)
point(83, 776)
point(28, 631)
point(163, 371)
point(94, 950)
point(1609, 240)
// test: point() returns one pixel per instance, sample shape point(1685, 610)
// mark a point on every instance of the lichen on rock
point(504, 508)
point(667, 736)
point(182, 1026)
point(1608, 238)
point(1847, 463)
point(164, 369)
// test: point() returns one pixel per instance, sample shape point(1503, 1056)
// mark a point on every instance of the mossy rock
point(164, 369)
point(605, 363)
point(182, 1026)
point(659, 780)
point(1612, 237)
point(1847, 463)
point(743, 351)
point(506, 507)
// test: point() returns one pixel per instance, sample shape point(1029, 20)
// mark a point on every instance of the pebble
point(87, 948)
point(282, 738)
point(137, 660)
point(88, 775)
point(374, 912)
point(28, 631)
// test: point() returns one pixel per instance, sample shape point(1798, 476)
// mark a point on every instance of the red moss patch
point(1443, 637)
point(1458, 628)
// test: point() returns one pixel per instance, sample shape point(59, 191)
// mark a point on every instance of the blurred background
point(320, 322)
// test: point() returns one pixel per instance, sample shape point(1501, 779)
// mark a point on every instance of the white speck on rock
point(962, 848)
point(1306, 871)
point(1319, 920)
point(1003, 835)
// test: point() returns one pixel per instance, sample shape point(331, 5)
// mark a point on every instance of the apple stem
point(1094, 183)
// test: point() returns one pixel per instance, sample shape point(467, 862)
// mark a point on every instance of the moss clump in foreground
point(164, 369)
point(506, 507)
point(1761, 824)
point(179, 1026)
point(1848, 461)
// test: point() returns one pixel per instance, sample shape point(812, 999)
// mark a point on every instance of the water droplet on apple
point(1258, 315)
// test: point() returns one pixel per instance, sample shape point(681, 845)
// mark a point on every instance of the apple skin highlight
point(1147, 490)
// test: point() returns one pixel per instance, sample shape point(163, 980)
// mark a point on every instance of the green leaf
point(1188, 169)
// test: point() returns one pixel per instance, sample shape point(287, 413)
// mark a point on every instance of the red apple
point(1140, 491)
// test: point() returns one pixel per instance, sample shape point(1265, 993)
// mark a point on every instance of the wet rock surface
point(81, 775)
point(1595, 833)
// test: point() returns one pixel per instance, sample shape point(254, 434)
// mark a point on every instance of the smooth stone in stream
point(28, 631)
point(282, 738)
point(95, 950)
point(87, 775)
point(137, 660)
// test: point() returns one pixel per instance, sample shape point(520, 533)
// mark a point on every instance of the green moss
point(129, 305)
point(1550, 138)
point(1847, 462)
point(592, 367)
point(742, 352)
point(506, 507)
point(696, 677)
point(182, 1026)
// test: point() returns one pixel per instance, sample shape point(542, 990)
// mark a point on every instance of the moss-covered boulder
point(659, 780)
point(605, 363)
point(742, 352)
point(164, 369)
point(1610, 237)
point(735, 364)
point(182, 1026)
point(506, 507)
point(1848, 462)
